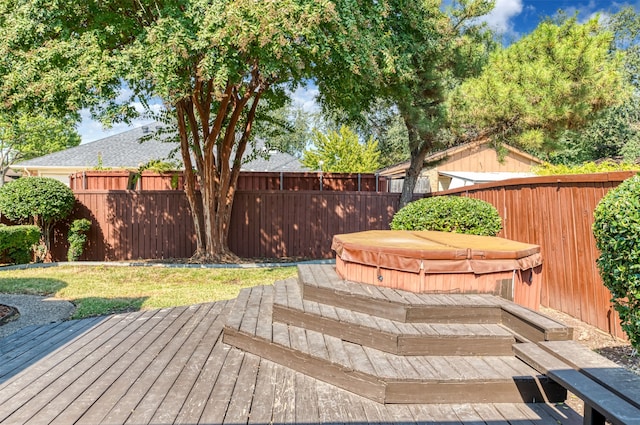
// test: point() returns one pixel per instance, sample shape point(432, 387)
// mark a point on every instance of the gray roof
point(124, 150)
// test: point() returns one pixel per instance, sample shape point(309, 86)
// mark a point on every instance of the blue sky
point(511, 18)
point(515, 18)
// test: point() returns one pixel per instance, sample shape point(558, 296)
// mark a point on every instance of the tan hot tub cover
point(435, 252)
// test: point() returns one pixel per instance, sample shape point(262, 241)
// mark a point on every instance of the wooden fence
point(556, 212)
point(148, 180)
point(130, 225)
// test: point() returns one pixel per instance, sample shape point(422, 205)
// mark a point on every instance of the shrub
point(77, 238)
point(587, 168)
point(449, 214)
point(617, 232)
point(37, 200)
point(16, 242)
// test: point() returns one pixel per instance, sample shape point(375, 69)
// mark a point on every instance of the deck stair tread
point(324, 276)
point(379, 375)
point(321, 283)
point(386, 334)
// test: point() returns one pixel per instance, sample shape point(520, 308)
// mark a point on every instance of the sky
point(510, 18)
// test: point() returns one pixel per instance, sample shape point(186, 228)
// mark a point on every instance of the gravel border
point(167, 265)
point(34, 310)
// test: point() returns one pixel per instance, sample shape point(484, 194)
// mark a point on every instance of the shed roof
point(440, 155)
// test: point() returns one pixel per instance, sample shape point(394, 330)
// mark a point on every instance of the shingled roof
point(125, 150)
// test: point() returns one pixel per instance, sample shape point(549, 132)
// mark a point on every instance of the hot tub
point(441, 262)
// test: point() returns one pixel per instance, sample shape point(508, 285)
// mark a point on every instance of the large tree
point(26, 136)
point(557, 78)
point(421, 53)
point(210, 61)
point(615, 133)
point(341, 152)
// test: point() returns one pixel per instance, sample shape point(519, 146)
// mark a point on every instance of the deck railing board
point(607, 373)
point(600, 402)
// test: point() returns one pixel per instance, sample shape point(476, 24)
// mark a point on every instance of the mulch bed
point(7, 314)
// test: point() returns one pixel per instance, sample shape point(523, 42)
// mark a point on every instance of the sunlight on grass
point(105, 289)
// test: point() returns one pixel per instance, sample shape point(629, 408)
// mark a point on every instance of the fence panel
point(130, 225)
point(149, 180)
point(302, 223)
point(556, 212)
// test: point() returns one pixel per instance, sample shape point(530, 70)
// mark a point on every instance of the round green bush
point(617, 232)
point(37, 200)
point(40, 199)
point(449, 214)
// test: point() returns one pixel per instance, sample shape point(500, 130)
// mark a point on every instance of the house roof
point(124, 150)
point(437, 156)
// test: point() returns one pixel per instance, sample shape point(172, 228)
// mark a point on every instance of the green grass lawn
point(107, 289)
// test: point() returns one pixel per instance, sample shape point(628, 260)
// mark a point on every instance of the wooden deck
point(170, 366)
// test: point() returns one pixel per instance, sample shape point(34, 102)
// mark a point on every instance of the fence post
point(359, 177)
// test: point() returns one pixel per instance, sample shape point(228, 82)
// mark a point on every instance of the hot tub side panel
point(523, 287)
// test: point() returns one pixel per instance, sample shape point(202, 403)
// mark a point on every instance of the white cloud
point(499, 19)
point(304, 97)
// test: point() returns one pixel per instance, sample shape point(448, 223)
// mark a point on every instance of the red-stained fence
point(131, 225)
point(149, 180)
point(553, 212)
point(556, 212)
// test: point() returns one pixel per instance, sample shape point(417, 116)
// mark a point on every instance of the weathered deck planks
point(170, 366)
point(386, 334)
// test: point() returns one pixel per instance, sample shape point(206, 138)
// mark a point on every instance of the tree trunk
point(212, 145)
point(419, 145)
point(195, 203)
point(411, 177)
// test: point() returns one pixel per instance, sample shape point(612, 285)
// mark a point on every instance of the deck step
point(389, 335)
point(379, 375)
point(321, 283)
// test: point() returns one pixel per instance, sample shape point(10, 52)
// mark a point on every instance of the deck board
point(50, 378)
point(263, 327)
point(102, 373)
point(150, 387)
point(216, 406)
point(200, 392)
point(191, 367)
point(29, 349)
point(243, 392)
point(261, 407)
point(306, 400)
point(110, 388)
